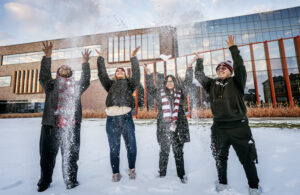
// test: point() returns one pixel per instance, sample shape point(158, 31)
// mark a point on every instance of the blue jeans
point(115, 126)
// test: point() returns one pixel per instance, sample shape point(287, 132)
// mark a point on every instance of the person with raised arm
point(119, 105)
point(61, 121)
point(230, 122)
point(172, 124)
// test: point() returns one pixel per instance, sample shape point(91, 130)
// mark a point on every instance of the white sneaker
point(220, 187)
point(255, 191)
point(131, 173)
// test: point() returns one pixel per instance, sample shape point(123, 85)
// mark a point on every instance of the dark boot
point(72, 185)
point(43, 185)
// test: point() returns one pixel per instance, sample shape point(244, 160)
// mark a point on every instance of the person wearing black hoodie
point(119, 104)
point(230, 121)
point(61, 120)
point(172, 124)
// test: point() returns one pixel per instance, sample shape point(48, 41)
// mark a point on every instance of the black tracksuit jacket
point(226, 96)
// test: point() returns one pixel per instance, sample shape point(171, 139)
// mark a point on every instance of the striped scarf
point(170, 108)
point(66, 102)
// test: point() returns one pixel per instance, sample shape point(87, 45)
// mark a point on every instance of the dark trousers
point(165, 145)
point(243, 144)
point(115, 127)
point(69, 142)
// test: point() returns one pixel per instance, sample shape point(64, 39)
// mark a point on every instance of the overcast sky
point(23, 21)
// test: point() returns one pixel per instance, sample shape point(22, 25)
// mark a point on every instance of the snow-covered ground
point(278, 168)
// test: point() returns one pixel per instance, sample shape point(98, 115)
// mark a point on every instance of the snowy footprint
point(280, 169)
point(13, 185)
point(119, 189)
point(229, 191)
point(169, 188)
point(292, 183)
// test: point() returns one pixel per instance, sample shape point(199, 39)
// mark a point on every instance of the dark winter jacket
point(50, 86)
point(182, 133)
point(226, 96)
point(119, 91)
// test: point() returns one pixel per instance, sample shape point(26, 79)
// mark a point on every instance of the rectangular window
point(144, 49)
point(292, 65)
point(132, 43)
point(263, 87)
point(248, 65)
point(156, 46)
point(289, 48)
point(150, 46)
point(5, 81)
point(121, 49)
point(110, 49)
point(127, 48)
point(206, 58)
point(116, 49)
point(266, 36)
point(260, 65)
point(139, 43)
point(274, 49)
point(171, 67)
point(245, 52)
point(259, 51)
point(217, 57)
point(259, 37)
point(181, 67)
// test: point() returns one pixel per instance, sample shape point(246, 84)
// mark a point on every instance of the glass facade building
point(266, 26)
point(269, 44)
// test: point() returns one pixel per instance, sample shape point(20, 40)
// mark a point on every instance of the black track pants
point(241, 140)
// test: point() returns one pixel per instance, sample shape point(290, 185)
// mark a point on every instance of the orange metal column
point(270, 74)
point(201, 97)
point(189, 106)
point(286, 73)
point(254, 75)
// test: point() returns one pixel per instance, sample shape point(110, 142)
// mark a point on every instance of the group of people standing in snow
point(62, 116)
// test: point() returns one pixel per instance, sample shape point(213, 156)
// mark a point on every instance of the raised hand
point(198, 55)
point(230, 41)
point(146, 69)
point(190, 65)
point(47, 49)
point(86, 55)
point(135, 51)
point(98, 52)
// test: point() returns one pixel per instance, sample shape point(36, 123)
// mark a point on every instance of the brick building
point(20, 90)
